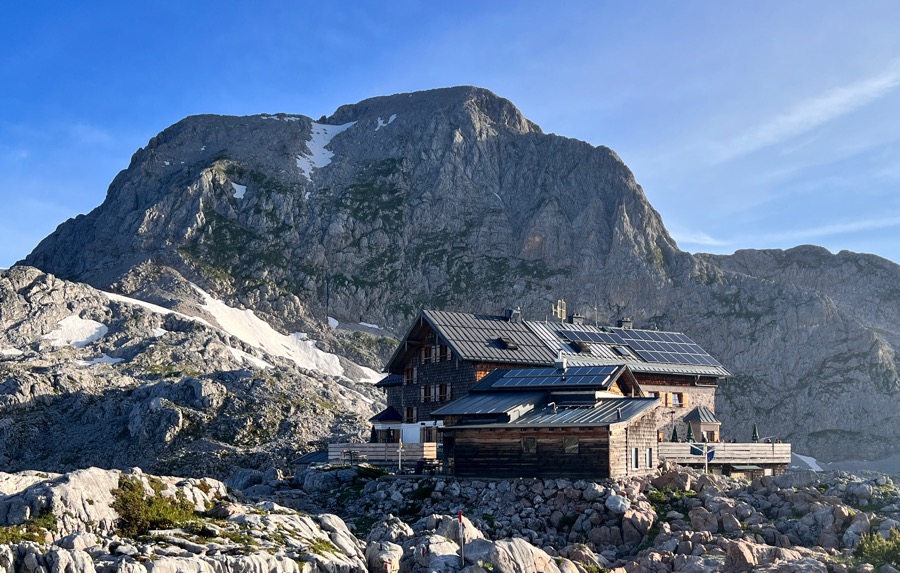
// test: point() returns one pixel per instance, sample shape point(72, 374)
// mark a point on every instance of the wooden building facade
point(445, 358)
point(588, 422)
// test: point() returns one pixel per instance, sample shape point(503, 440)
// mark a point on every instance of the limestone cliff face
point(452, 199)
point(91, 379)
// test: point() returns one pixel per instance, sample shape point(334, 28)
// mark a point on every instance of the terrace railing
point(742, 453)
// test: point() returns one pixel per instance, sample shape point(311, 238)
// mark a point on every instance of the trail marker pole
point(462, 542)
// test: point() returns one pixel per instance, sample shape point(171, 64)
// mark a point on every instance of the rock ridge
point(451, 199)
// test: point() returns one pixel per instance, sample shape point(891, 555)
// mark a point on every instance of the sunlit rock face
point(451, 199)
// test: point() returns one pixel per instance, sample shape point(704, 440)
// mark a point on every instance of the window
point(529, 445)
point(649, 461)
point(428, 434)
point(443, 392)
point(410, 417)
point(678, 400)
point(635, 458)
point(426, 354)
point(444, 352)
point(426, 393)
point(570, 444)
point(409, 376)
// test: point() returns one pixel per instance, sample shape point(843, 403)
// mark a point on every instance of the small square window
point(570, 444)
point(529, 445)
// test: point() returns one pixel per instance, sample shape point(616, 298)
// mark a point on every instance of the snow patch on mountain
point(241, 355)
point(382, 123)
point(239, 190)
point(319, 156)
point(102, 359)
point(76, 331)
point(153, 308)
point(809, 461)
point(246, 326)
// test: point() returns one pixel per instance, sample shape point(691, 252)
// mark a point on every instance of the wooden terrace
point(382, 453)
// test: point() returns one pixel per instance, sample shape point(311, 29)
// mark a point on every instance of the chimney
point(561, 364)
point(576, 318)
point(513, 315)
point(626, 322)
point(618, 413)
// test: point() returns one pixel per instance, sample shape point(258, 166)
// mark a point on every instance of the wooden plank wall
point(482, 452)
point(642, 435)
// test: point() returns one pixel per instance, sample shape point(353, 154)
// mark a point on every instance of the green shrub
point(320, 546)
point(139, 513)
point(877, 550)
point(32, 530)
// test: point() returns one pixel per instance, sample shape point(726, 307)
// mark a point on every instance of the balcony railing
point(382, 452)
point(744, 453)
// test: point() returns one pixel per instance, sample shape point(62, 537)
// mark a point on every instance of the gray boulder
point(617, 504)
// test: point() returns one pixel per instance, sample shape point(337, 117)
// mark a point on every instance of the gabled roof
point(650, 351)
point(497, 339)
point(488, 403)
point(703, 415)
point(473, 337)
point(389, 414)
point(605, 412)
point(390, 380)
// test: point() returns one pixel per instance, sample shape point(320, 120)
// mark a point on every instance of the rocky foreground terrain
point(110, 520)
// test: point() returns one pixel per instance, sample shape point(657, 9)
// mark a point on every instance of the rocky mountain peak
point(462, 105)
point(451, 199)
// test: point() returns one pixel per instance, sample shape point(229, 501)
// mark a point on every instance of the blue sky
point(763, 124)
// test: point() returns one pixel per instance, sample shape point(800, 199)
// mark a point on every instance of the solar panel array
point(650, 345)
point(534, 377)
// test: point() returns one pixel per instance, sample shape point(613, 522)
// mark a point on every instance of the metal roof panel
point(490, 403)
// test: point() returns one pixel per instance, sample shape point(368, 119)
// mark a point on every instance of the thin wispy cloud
point(696, 238)
point(811, 113)
point(14, 155)
point(90, 135)
point(837, 229)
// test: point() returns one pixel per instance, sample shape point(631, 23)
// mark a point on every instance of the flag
point(696, 449)
point(710, 454)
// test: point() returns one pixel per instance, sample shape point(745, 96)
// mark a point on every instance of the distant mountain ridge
point(451, 199)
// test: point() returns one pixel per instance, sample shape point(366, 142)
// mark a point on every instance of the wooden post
point(462, 542)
